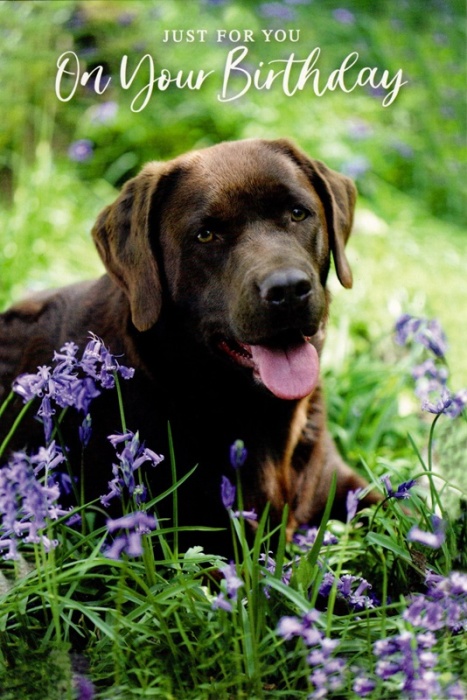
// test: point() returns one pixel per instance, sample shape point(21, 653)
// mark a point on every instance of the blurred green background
point(61, 162)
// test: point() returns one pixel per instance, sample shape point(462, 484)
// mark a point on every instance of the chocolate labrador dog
point(215, 292)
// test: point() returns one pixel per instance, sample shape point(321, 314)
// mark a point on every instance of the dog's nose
point(287, 287)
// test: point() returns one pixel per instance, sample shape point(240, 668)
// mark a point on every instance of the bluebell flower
point(350, 589)
point(344, 16)
point(81, 150)
point(72, 382)
point(84, 688)
point(99, 363)
point(228, 492)
point(276, 10)
point(439, 405)
point(270, 565)
point(356, 167)
point(131, 457)
point(238, 454)
point(305, 538)
point(126, 18)
point(352, 501)
point(405, 328)
point(458, 404)
point(408, 658)
point(425, 332)
point(134, 525)
point(434, 539)
point(328, 670)
point(245, 514)
point(103, 113)
point(230, 585)
point(402, 491)
point(363, 686)
point(26, 504)
point(429, 377)
point(85, 430)
point(443, 607)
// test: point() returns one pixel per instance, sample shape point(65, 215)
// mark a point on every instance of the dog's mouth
point(287, 365)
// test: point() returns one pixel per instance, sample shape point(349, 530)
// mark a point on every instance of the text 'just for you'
point(292, 74)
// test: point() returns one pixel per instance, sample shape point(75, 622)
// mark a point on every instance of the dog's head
point(237, 239)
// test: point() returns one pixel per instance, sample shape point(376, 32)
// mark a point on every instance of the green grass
point(146, 626)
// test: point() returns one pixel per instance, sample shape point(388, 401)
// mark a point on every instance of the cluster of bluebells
point(407, 661)
point(131, 457)
point(305, 538)
point(71, 381)
point(28, 499)
point(431, 375)
point(328, 671)
point(350, 589)
point(443, 606)
point(131, 528)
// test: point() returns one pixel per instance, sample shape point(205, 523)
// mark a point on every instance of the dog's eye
point(205, 236)
point(299, 214)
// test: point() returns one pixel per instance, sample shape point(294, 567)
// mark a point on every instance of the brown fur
point(167, 299)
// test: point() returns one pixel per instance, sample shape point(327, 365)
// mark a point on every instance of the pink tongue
point(290, 373)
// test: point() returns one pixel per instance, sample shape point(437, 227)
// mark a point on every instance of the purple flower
point(363, 686)
point(231, 585)
point(270, 566)
point(103, 113)
point(427, 333)
point(85, 431)
point(405, 328)
point(430, 539)
point(126, 18)
point(246, 514)
point(357, 167)
point(458, 404)
point(403, 149)
point(238, 454)
point(410, 658)
point(135, 525)
point(359, 129)
point(99, 363)
point(81, 150)
point(402, 490)
point(442, 607)
point(83, 687)
point(328, 670)
point(228, 492)
point(353, 498)
point(289, 627)
point(220, 602)
point(429, 377)
point(344, 16)
point(26, 504)
point(276, 10)
point(305, 538)
point(350, 589)
point(133, 455)
point(440, 405)
point(72, 381)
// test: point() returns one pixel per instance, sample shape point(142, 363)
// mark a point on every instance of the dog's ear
point(122, 237)
point(338, 194)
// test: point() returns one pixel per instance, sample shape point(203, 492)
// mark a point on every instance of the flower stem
point(18, 420)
